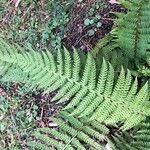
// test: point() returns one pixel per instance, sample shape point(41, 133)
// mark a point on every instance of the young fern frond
point(88, 93)
point(71, 134)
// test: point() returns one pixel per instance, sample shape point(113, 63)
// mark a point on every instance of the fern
point(102, 44)
point(74, 133)
point(108, 49)
point(128, 44)
point(94, 98)
point(138, 139)
point(98, 97)
point(71, 134)
point(132, 33)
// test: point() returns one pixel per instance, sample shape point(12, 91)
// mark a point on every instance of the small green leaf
point(53, 43)
point(87, 22)
point(99, 24)
point(91, 32)
point(98, 16)
point(92, 9)
point(91, 21)
point(97, 6)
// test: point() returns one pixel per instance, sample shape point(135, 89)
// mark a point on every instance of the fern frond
point(89, 93)
point(133, 29)
point(101, 45)
point(138, 139)
point(107, 48)
point(72, 133)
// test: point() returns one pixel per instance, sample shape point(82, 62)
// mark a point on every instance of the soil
point(77, 33)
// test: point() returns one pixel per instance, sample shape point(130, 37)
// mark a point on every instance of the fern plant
point(87, 92)
point(133, 29)
point(128, 43)
point(132, 32)
point(107, 48)
point(137, 139)
point(71, 134)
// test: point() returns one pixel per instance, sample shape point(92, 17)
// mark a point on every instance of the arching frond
point(71, 134)
point(90, 94)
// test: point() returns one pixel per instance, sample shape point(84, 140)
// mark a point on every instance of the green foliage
point(127, 44)
point(106, 48)
point(88, 91)
point(97, 5)
point(144, 70)
point(56, 27)
point(132, 34)
point(93, 20)
point(136, 139)
point(133, 29)
point(71, 134)
point(34, 28)
point(2, 9)
point(17, 118)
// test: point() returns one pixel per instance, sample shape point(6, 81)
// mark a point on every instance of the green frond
point(76, 65)
point(133, 29)
point(50, 141)
point(102, 43)
point(110, 81)
point(71, 133)
point(63, 137)
point(90, 93)
point(87, 70)
point(59, 62)
point(107, 48)
point(137, 139)
point(102, 77)
point(67, 64)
